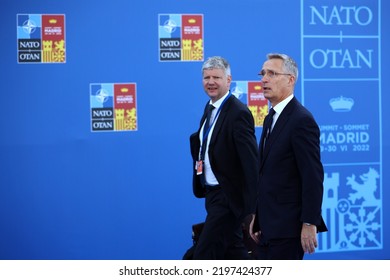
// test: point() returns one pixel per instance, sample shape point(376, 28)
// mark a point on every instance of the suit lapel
point(220, 120)
point(279, 125)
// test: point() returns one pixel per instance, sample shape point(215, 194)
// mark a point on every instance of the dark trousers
point(280, 249)
point(221, 237)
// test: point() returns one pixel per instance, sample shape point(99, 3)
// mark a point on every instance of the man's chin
point(267, 95)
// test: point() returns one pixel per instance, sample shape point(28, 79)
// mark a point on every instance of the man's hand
point(249, 223)
point(309, 238)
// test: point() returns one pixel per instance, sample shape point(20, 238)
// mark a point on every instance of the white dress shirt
point(208, 172)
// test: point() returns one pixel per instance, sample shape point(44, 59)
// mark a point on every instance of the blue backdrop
point(69, 191)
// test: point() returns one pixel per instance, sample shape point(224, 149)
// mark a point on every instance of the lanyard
point(206, 133)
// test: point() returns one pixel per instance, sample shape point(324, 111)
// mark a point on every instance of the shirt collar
point(218, 103)
point(279, 108)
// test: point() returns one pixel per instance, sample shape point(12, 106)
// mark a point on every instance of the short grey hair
point(289, 64)
point(217, 62)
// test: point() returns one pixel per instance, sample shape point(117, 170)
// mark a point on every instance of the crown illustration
point(341, 104)
point(191, 20)
point(53, 21)
point(257, 87)
point(124, 90)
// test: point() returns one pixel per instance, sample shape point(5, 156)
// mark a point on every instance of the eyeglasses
point(271, 73)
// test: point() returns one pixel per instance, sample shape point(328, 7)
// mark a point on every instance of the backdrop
point(99, 98)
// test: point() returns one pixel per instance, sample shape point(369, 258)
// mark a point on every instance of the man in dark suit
point(225, 163)
point(291, 173)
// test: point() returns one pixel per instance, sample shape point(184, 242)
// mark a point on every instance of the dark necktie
point(210, 109)
point(206, 127)
point(268, 125)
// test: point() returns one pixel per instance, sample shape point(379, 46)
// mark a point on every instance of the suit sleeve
point(197, 189)
point(306, 148)
point(247, 149)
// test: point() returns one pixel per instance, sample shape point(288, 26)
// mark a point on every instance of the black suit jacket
point(291, 175)
point(233, 154)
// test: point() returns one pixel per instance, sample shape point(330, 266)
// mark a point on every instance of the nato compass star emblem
point(101, 95)
point(29, 26)
point(237, 92)
point(170, 26)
